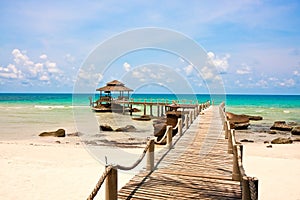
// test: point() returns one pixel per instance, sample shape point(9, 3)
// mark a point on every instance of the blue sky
point(254, 44)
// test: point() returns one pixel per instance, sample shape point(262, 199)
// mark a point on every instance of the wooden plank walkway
point(197, 167)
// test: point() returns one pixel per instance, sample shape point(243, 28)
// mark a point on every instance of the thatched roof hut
point(115, 86)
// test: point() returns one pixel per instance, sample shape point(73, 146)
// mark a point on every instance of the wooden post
point(151, 112)
point(245, 189)
point(191, 117)
point(180, 126)
point(130, 110)
point(162, 110)
point(230, 141)
point(169, 136)
point(194, 113)
point(235, 165)
point(145, 108)
point(226, 129)
point(111, 189)
point(187, 121)
point(158, 110)
point(150, 156)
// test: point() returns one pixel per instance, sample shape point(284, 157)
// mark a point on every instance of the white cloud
point(220, 63)
point(206, 73)
point(126, 66)
point(10, 72)
point(244, 70)
point(188, 69)
point(287, 83)
point(296, 73)
point(44, 78)
point(69, 58)
point(43, 56)
point(262, 83)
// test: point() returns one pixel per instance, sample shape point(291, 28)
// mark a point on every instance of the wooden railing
point(111, 171)
point(249, 184)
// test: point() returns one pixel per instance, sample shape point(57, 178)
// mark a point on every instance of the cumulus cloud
point(188, 70)
point(43, 56)
point(10, 72)
point(287, 83)
point(244, 70)
point(126, 67)
point(220, 63)
point(296, 73)
point(30, 72)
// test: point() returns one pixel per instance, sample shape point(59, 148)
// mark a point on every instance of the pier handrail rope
point(100, 182)
point(110, 168)
point(249, 184)
point(137, 162)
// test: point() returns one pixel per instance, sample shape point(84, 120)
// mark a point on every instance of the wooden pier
point(202, 162)
point(186, 172)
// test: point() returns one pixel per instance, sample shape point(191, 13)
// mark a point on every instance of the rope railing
point(110, 173)
point(249, 184)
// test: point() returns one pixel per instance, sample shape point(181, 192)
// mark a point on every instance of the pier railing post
point(180, 126)
point(187, 121)
point(227, 128)
point(111, 189)
point(230, 141)
point(169, 136)
point(191, 117)
point(245, 189)
point(235, 166)
point(150, 156)
point(195, 113)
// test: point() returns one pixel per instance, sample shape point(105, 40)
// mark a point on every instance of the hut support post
point(169, 136)
point(158, 111)
point(150, 156)
point(111, 189)
point(151, 112)
point(145, 109)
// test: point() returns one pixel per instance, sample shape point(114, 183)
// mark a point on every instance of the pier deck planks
point(197, 167)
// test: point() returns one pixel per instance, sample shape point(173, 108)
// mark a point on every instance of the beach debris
point(282, 140)
point(246, 140)
point(296, 130)
point(281, 125)
point(58, 133)
point(127, 128)
point(106, 127)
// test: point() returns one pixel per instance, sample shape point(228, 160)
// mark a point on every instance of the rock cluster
point(127, 128)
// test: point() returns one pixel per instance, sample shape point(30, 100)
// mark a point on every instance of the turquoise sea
point(25, 115)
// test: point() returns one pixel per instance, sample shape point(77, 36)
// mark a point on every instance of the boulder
point(238, 121)
point(254, 118)
point(281, 140)
point(281, 125)
point(106, 127)
point(58, 133)
point(127, 128)
point(296, 130)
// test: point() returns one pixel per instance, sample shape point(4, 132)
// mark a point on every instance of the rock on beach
point(281, 140)
point(281, 125)
point(58, 133)
point(296, 130)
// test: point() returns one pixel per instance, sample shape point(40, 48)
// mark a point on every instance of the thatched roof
point(114, 86)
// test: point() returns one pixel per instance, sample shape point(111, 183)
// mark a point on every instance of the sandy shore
point(47, 169)
point(277, 168)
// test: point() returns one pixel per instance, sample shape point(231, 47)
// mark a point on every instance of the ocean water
point(24, 116)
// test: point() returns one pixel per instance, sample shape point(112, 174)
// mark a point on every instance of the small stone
point(269, 146)
point(272, 132)
point(246, 140)
point(266, 142)
point(281, 140)
point(58, 133)
point(105, 127)
point(58, 142)
point(296, 130)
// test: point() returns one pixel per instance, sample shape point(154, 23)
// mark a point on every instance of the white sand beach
point(277, 168)
point(46, 169)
